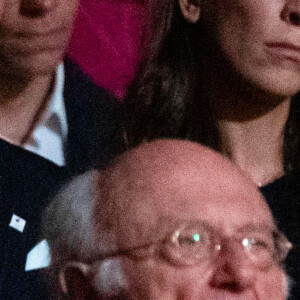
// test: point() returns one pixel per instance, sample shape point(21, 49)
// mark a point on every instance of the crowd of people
point(187, 189)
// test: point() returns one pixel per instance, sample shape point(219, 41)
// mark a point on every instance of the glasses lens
point(188, 244)
point(283, 247)
point(260, 250)
point(264, 249)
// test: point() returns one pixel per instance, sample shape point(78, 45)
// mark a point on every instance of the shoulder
point(93, 118)
point(78, 85)
point(84, 97)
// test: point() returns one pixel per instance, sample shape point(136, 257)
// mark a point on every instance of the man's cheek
point(266, 288)
point(153, 280)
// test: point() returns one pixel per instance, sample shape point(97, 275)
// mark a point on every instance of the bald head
point(149, 192)
point(171, 178)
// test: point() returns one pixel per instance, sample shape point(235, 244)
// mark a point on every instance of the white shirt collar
point(49, 136)
point(56, 103)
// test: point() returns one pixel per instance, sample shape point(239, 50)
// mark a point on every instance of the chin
point(40, 64)
point(284, 87)
point(278, 83)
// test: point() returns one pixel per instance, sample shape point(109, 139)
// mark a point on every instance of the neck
point(256, 145)
point(19, 107)
point(251, 121)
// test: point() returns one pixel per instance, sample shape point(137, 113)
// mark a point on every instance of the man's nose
point(291, 12)
point(37, 8)
point(234, 272)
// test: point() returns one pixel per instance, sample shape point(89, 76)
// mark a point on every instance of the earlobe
point(190, 9)
point(74, 281)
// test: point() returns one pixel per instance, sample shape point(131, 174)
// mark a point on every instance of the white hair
point(68, 222)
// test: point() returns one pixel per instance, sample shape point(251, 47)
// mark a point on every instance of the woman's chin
point(279, 84)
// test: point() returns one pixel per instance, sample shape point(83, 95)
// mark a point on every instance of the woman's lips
point(284, 45)
point(284, 51)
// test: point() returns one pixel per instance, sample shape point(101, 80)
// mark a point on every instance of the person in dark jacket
point(54, 123)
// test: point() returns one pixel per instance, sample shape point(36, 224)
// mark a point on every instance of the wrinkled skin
point(157, 186)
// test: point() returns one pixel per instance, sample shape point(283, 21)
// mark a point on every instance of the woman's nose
point(291, 12)
point(36, 8)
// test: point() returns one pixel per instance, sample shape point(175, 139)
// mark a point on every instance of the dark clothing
point(27, 180)
point(283, 196)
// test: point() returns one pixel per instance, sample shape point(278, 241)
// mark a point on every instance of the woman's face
point(260, 38)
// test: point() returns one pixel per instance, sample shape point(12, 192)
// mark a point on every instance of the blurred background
point(107, 41)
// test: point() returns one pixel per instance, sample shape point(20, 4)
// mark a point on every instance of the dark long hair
point(163, 100)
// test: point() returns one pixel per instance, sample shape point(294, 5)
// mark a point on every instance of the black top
point(27, 180)
point(283, 196)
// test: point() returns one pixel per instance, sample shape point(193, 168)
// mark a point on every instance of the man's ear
point(75, 281)
point(190, 10)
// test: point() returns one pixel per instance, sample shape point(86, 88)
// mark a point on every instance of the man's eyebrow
point(170, 222)
point(260, 227)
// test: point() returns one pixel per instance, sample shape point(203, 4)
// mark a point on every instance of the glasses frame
point(164, 247)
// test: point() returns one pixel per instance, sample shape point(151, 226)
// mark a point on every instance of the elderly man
point(52, 121)
point(167, 220)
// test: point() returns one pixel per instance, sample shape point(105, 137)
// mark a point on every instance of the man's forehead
point(182, 192)
point(151, 219)
point(183, 180)
point(152, 165)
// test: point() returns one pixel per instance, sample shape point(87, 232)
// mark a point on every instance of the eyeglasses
point(195, 242)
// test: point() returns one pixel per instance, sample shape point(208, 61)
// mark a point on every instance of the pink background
point(106, 41)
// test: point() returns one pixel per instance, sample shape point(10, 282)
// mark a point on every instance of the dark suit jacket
point(27, 181)
point(283, 197)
